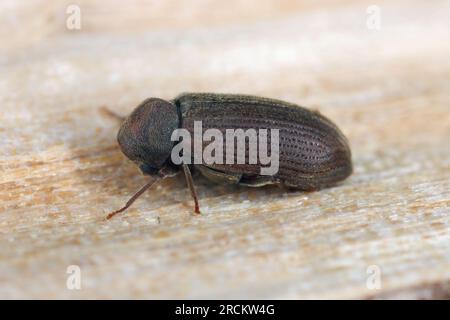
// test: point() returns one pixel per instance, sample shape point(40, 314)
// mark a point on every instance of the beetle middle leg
point(190, 183)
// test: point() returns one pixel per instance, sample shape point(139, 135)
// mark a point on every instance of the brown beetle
point(313, 153)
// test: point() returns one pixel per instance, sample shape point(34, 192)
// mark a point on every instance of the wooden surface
point(61, 169)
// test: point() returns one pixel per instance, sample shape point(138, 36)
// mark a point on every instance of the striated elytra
point(313, 153)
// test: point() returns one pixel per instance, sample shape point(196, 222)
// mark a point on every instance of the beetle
point(313, 152)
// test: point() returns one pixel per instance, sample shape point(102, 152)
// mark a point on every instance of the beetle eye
point(148, 169)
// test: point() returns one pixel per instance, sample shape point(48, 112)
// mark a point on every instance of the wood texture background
point(61, 169)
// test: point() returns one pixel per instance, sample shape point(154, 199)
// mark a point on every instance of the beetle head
point(144, 136)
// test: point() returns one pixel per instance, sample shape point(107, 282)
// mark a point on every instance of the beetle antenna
point(190, 183)
point(111, 114)
point(133, 198)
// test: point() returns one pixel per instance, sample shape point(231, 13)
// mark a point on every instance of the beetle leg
point(257, 181)
point(190, 183)
point(133, 198)
point(219, 176)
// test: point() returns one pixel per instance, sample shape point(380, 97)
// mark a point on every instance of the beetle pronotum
point(313, 153)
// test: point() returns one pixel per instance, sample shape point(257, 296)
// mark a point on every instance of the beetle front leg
point(190, 183)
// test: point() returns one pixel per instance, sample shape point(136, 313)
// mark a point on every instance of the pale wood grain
point(61, 170)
